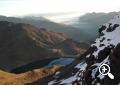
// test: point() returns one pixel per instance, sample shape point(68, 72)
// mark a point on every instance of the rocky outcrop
point(105, 50)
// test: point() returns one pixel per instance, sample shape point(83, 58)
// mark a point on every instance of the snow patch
point(82, 66)
point(94, 71)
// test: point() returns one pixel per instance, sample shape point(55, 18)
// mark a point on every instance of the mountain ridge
point(69, 31)
point(24, 43)
point(105, 50)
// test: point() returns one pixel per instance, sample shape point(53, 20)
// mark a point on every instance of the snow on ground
point(82, 66)
point(94, 71)
point(108, 39)
point(112, 36)
point(114, 39)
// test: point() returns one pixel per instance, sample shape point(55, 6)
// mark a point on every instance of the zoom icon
point(104, 69)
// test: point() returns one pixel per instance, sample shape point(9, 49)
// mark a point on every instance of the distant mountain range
point(89, 22)
point(84, 27)
point(23, 43)
point(40, 22)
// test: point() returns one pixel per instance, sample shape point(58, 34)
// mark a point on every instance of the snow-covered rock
point(105, 50)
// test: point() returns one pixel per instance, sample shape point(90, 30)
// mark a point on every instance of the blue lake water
point(60, 61)
point(43, 64)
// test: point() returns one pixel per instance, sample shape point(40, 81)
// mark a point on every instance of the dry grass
point(27, 77)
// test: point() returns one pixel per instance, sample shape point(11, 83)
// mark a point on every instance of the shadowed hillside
point(40, 22)
point(23, 43)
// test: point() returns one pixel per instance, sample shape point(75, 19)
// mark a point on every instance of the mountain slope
point(105, 50)
point(84, 70)
point(23, 43)
point(27, 77)
point(40, 22)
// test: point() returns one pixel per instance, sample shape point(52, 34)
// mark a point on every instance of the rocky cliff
point(105, 50)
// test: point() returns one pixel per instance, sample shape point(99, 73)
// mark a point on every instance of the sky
point(53, 9)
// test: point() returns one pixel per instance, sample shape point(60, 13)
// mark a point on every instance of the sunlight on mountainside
point(27, 77)
point(59, 42)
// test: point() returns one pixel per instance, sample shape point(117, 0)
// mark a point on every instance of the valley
point(38, 51)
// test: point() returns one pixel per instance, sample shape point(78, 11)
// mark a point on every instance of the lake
point(43, 64)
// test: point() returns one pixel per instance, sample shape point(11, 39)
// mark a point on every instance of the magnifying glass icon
point(104, 69)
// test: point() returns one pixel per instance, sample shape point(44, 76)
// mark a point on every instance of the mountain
point(23, 43)
point(85, 69)
point(88, 23)
point(82, 26)
point(105, 50)
point(40, 22)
